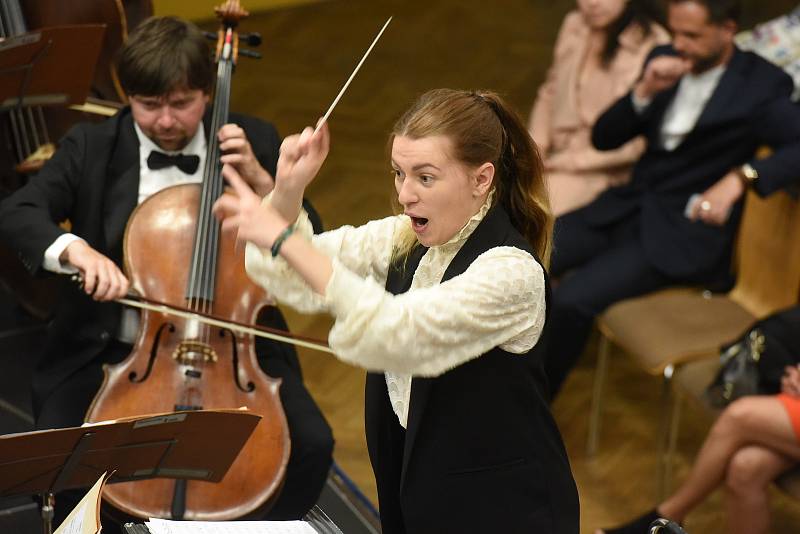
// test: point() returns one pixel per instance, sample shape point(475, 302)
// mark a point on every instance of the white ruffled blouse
point(435, 326)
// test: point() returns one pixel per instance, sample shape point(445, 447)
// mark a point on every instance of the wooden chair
point(670, 327)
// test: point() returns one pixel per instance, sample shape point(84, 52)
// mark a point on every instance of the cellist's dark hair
point(482, 129)
point(163, 54)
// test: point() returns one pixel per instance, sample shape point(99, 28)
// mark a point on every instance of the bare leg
point(750, 472)
point(757, 420)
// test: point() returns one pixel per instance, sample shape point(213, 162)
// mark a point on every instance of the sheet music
point(164, 526)
point(75, 524)
point(85, 517)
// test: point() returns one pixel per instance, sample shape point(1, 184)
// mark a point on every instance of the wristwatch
point(748, 175)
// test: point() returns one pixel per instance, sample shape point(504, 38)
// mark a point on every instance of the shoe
point(640, 525)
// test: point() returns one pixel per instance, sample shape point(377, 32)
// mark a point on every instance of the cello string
point(213, 223)
point(220, 112)
point(199, 249)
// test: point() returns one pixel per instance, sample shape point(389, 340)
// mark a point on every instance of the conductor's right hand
point(102, 279)
point(660, 74)
point(301, 158)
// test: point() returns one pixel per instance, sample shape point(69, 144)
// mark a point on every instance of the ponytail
point(521, 189)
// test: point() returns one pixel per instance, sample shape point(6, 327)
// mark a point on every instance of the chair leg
point(672, 442)
point(664, 434)
point(600, 375)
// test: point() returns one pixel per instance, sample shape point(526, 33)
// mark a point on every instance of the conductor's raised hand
point(301, 158)
point(242, 211)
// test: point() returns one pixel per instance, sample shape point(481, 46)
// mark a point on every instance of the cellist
point(96, 178)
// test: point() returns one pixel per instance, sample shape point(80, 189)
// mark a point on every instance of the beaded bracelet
point(276, 246)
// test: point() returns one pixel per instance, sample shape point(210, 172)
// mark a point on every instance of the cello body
point(177, 364)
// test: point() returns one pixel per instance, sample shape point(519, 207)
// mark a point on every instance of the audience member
point(598, 55)
point(754, 440)
point(704, 107)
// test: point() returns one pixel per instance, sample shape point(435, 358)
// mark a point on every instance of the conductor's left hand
point(243, 212)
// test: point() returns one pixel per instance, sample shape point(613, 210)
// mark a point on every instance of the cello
point(185, 364)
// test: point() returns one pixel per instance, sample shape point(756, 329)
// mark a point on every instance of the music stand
point(136, 448)
point(50, 66)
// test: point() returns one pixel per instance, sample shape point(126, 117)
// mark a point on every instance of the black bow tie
point(158, 160)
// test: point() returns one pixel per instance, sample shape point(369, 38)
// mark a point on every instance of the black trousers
point(311, 437)
point(594, 268)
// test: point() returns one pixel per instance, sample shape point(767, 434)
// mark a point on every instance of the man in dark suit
point(95, 180)
point(704, 107)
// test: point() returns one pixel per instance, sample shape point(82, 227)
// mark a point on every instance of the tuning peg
point(249, 53)
point(252, 39)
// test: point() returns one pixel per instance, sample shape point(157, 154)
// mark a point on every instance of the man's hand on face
point(102, 279)
point(239, 154)
point(660, 74)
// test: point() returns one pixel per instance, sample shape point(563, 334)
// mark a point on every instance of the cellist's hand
point(102, 279)
point(239, 153)
point(243, 212)
point(301, 158)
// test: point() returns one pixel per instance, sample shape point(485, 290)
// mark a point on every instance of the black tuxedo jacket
point(482, 452)
point(93, 181)
point(749, 108)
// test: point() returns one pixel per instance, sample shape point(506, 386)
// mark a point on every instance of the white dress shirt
point(150, 182)
point(432, 328)
point(694, 92)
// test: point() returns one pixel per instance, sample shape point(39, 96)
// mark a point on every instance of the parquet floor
point(309, 52)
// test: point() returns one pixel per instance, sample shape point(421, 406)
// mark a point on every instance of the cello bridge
point(192, 352)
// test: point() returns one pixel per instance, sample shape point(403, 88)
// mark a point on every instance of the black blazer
point(482, 452)
point(92, 180)
point(749, 108)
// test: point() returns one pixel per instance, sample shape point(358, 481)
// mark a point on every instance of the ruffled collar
point(472, 223)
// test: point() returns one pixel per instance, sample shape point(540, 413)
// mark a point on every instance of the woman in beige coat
point(598, 55)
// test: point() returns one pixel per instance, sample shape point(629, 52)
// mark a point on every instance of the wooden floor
point(309, 52)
